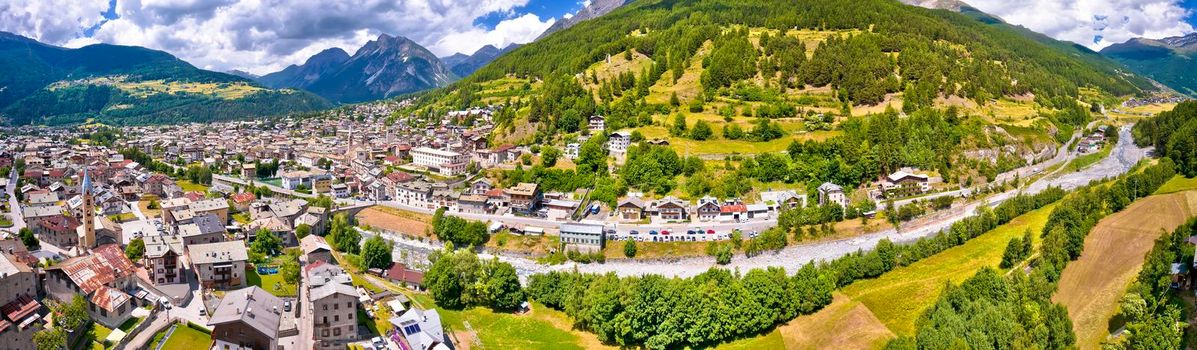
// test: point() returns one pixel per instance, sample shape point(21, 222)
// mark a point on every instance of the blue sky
point(541, 8)
point(1192, 6)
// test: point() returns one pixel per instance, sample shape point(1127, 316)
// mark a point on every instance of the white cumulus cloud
point(1093, 23)
point(262, 36)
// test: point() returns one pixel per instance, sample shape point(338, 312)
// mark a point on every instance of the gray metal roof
point(253, 306)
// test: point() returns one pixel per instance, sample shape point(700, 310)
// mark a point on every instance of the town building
point(420, 330)
point(904, 183)
point(578, 236)
point(707, 209)
point(782, 200)
point(670, 208)
point(104, 277)
point(333, 307)
point(404, 275)
point(525, 198)
point(830, 193)
point(201, 230)
point(249, 318)
point(315, 248)
point(596, 124)
point(19, 318)
point(631, 209)
point(618, 142)
point(162, 259)
point(447, 163)
point(219, 265)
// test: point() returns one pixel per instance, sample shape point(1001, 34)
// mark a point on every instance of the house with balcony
point(162, 259)
point(219, 265)
point(525, 198)
point(670, 208)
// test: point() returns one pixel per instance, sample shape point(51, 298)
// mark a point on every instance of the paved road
point(14, 206)
point(142, 339)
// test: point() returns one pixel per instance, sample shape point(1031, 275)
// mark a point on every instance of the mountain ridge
point(119, 84)
point(464, 65)
point(1168, 60)
point(384, 67)
point(596, 9)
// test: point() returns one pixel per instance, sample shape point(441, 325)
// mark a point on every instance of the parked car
point(287, 306)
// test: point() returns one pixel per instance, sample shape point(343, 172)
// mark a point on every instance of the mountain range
point(464, 65)
point(46, 84)
point(1168, 60)
point(384, 67)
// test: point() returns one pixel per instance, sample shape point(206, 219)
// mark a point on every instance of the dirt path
point(1113, 255)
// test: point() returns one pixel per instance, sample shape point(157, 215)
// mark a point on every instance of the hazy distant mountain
point(382, 68)
point(45, 84)
point(463, 65)
point(597, 9)
point(1168, 60)
point(244, 74)
point(950, 5)
point(304, 75)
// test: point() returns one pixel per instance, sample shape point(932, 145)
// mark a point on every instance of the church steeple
point(88, 241)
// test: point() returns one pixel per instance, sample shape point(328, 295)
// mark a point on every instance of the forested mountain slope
point(1168, 60)
point(863, 52)
point(960, 93)
point(45, 84)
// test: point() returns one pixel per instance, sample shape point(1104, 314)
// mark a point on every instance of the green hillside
point(870, 53)
point(1168, 61)
point(49, 85)
point(847, 90)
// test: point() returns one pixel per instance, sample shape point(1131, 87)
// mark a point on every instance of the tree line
point(1174, 134)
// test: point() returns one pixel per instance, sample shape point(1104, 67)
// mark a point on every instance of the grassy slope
point(1113, 255)
point(542, 328)
point(919, 285)
point(865, 315)
point(1089, 159)
point(1177, 184)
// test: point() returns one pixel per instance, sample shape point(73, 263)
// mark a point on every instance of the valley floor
point(1122, 158)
